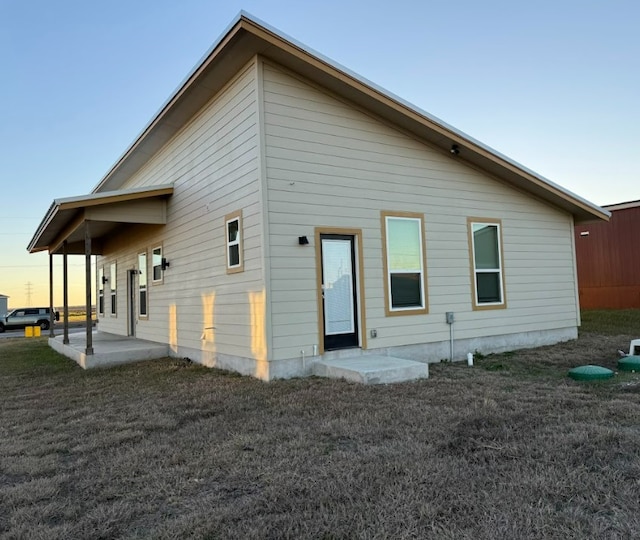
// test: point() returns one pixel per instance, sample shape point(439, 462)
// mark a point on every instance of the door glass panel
point(337, 273)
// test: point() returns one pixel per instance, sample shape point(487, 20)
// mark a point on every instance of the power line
point(29, 286)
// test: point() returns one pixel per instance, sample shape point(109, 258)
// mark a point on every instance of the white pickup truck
point(22, 317)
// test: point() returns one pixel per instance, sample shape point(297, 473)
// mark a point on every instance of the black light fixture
point(455, 149)
point(303, 240)
point(164, 264)
point(104, 279)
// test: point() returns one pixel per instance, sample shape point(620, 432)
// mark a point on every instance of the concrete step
point(371, 369)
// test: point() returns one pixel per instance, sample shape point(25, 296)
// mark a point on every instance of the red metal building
point(608, 259)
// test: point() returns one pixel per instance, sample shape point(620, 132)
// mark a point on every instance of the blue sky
point(553, 85)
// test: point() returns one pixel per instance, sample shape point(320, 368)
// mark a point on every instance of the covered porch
point(107, 349)
point(81, 226)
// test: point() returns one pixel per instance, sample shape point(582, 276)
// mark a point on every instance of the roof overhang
point(622, 206)
point(247, 37)
point(105, 212)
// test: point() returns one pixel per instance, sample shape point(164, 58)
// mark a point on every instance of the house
point(4, 304)
point(607, 261)
point(280, 211)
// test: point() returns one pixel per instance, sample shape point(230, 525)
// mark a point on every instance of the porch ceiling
point(104, 212)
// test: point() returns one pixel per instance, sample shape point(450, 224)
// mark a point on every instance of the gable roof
point(247, 37)
point(622, 206)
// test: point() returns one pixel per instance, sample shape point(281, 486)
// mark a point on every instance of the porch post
point(51, 313)
point(87, 271)
point(65, 294)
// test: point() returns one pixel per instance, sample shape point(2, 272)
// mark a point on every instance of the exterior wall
point(200, 310)
point(330, 164)
point(608, 261)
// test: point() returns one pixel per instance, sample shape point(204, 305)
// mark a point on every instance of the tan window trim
point(474, 295)
point(155, 281)
point(113, 289)
point(389, 312)
point(101, 285)
point(146, 270)
point(229, 218)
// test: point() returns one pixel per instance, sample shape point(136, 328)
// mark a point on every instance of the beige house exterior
point(279, 210)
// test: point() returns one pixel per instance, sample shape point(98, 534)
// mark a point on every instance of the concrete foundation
point(365, 366)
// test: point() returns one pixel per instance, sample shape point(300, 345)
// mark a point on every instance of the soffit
point(105, 212)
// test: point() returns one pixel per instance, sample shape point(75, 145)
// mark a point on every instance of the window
point(486, 253)
point(233, 235)
point(101, 290)
point(113, 283)
point(156, 263)
point(142, 284)
point(404, 262)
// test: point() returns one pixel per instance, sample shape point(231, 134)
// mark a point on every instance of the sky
point(552, 84)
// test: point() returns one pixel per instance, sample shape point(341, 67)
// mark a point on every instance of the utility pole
point(29, 289)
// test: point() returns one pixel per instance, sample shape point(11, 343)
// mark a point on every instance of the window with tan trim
point(404, 263)
point(101, 282)
point(156, 265)
point(113, 282)
point(485, 243)
point(142, 285)
point(233, 236)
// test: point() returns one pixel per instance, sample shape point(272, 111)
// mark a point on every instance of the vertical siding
point(328, 164)
point(213, 165)
point(608, 261)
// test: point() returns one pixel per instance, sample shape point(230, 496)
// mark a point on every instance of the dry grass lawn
point(510, 449)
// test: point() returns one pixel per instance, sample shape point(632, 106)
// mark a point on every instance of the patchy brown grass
point(508, 449)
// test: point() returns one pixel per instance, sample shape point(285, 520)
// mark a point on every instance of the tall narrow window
point(142, 284)
point(233, 234)
point(486, 253)
point(101, 290)
point(113, 285)
point(156, 263)
point(405, 283)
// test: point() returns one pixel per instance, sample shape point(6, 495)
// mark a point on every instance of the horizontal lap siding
point(329, 164)
point(213, 165)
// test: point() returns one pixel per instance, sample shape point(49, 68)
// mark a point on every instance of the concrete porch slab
point(108, 349)
point(372, 369)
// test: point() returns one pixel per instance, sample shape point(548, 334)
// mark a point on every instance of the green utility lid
point(629, 363)
point(590, 373)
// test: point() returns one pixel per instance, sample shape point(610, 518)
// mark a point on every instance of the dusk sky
point(553, 85)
